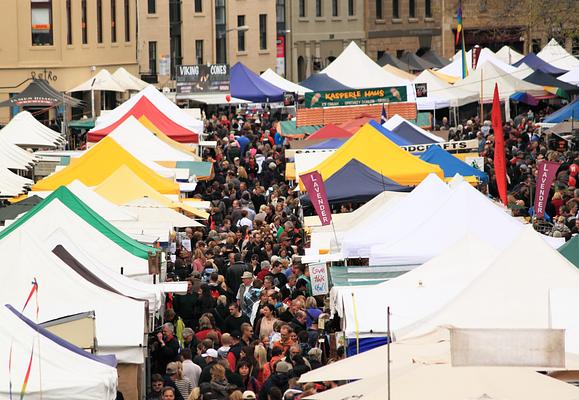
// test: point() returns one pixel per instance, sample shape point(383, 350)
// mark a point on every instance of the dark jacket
point(233, 276)
point(278, 380)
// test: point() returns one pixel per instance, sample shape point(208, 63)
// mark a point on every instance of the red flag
point(317, 191)
point(499, 161)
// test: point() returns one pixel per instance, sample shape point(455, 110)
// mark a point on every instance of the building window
point(99, 21)
point(379, 14)
point(153, 58)
point(127, 21)
point(198, 6)
point(335, 8)
point(220, 32)
point(351, 7)
point(199, 51)
point(68, 23)
point(412, 8)
point(152, 9)
point(41, 18)
point(319, 8)
point(113, 21)
point(240, 33)
point(427, 9)
point(379, 54)
point(395, 9)
point(263, 31)
point(84, 22)
point(302, 8)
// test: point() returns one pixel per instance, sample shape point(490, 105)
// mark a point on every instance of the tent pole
point(434, 118)
point(92, 103)
point(388, 347)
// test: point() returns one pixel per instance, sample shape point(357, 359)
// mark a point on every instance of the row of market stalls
point(97, 276)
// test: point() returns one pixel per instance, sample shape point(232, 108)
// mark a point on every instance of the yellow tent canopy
point(444, 77)
point(398, 72)
point(377, 152)
point(98, 163)
point(124, 186)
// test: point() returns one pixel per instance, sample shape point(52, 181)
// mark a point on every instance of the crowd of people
point(249, 326)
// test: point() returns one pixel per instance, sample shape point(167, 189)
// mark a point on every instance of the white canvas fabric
point(557, 56)
point(128, 81)
point(62, 292)
point(367, 74)
point(14, 157)
point(491, 74)
point(160, 101)
point(464, 211)
point(513, 292)
point(56, 373)
point(393, 122)
point(306, 160)
point(144, 145)
point(282, 83)
point(11, 184)
point(48, 220)
point(102, 206)
point(508, 55)
point(414, 295)
point(103, 80)
point(571, 77)
point(388, 225)
point(26, 131)
point(440, 89)
point(486, 56)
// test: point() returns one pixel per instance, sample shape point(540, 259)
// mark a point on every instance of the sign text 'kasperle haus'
point(355, 97)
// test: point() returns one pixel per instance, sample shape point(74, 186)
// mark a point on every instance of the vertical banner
point(319, 277)
point(546, 172)
point(315, 188)
point(280, 56)
point(475, 55)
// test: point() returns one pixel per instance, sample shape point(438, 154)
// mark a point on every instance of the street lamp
point(222, 34)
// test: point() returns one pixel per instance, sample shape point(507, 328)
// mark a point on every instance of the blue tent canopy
point(247, 85)
point(451, 165)
point(356, 182)
point(328, 144)
point(321, 82)
point(399, 140)
point(570, 111)
point(544, 79)
point(410, 134)
point(538, 64)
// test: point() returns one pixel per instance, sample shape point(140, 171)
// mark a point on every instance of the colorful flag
point(384, 116)
point(500, 159)
point(458, 22)
point(317, 191)
point(546, 173)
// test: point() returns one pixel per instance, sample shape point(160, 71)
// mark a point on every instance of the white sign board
point(319, 278)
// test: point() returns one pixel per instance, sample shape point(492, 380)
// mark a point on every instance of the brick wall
point(338, 115)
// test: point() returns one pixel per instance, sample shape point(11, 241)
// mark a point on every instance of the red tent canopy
point(144, 108)
point(355, 124)
point(330, 131)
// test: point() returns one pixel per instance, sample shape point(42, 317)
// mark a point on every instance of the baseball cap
point(210, 353)
point(171, 368)
point(283, 367)
point(248, 395)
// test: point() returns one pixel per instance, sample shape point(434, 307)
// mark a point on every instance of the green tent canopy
point(570, 250)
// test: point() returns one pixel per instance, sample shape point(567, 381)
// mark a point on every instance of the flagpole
point(481, 97)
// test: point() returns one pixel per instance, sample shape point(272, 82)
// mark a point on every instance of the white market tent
point(508, 55)
point(367, 74)
point(396, 120)
point(63, 292)
point(402, 217)
point(456, 383)
point(122, 284)
point(160, 101)
point(103, 80)
point(491, 74)
point(153, 219)
point(571, 77)
point(14, 157)
point(26, 131)
point(516, 291)
point(556, 55)
point(59, 369)
point(282, 83)
point(306, 160)
point(128, 81)
point(414, 295)
point(144, 145)
point(486, 56)
point(100, 205)
point(440, 89)
point(48, 220)
point(11, 184)
point(464, 211)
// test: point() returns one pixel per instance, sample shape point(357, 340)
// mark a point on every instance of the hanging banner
point(212, 78)
point(355, 97)
point(315, 187)
point(448, 146)
point(546, 172)
point(319, 278)
point(280, 55)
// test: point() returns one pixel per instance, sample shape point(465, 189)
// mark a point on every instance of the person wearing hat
point(280, 379)
point(248, 395)
point(211, 358)
point(246, 284)
point(175, 374)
